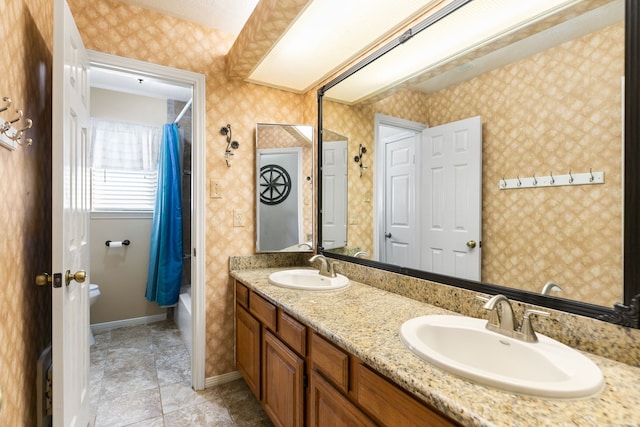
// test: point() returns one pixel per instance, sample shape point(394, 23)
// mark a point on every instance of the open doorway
point(144, 94)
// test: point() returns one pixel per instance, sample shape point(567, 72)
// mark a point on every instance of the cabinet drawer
point(391, 405)
point(292, 332)
point(242, 294)
point(330, 361)
point(263, 310)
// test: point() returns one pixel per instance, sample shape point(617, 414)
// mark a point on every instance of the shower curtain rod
point(184, 110)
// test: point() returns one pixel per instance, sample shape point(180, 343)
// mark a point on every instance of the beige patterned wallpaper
point(522, 228)
point(25, 216)
point(125, 30)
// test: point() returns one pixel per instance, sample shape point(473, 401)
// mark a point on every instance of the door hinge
point(305, 381)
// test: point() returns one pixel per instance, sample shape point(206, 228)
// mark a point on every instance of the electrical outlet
point(215, 189)
point(238, 218)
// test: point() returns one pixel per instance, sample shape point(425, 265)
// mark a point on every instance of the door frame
point(198, 190)
point(379, 173)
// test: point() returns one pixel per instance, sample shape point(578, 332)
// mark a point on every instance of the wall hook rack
point(362, 150)
point(570, 179)
point(10, 135)
point(226, 131)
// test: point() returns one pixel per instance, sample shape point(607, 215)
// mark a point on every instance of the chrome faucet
point(550, 286)
point(361, 254)
point(503, 321)
point(326, 266)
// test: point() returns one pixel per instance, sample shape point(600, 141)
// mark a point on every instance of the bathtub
point(183, 318)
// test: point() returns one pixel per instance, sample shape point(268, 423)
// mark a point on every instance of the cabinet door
point(282, 383)
point(329, 408)
point(248, 349)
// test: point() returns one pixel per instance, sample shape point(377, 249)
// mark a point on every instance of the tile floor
point(140, 377)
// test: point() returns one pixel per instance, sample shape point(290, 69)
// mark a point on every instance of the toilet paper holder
point(117, 243)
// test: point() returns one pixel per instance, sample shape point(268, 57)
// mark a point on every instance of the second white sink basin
point(308, 279)
point(463, 346)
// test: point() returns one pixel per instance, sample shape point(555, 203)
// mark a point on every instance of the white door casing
point(334, 194)
point(198, 189)
point(70, 222)
point(452, 202)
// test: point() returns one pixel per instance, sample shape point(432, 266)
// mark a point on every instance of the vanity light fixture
point(362, 150)
point(226, 131)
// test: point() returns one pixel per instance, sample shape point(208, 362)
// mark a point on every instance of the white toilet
point(94, 293)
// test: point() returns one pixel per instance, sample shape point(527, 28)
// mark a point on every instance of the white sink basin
point(310, 280)
point(463, 346)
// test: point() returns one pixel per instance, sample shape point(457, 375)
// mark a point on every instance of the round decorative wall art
point(275, 184)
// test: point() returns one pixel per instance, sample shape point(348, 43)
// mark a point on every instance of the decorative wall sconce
point(362, 150)
point(9, 135)
point(226, 131)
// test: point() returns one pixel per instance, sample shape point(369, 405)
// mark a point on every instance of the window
point(116, 190)
point(124, 164)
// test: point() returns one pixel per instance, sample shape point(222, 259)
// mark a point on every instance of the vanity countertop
point(366, 321)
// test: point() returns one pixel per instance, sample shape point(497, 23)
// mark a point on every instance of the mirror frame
point(626, 313)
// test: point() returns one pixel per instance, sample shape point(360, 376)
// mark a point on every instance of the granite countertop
point(365, 321)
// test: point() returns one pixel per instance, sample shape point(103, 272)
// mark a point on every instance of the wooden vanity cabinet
point(275, 355)
point(248, 337)
point(358, 390)
point(270, 355)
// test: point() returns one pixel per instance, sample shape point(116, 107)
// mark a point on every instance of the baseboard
point(107, 326)
point(221, 379)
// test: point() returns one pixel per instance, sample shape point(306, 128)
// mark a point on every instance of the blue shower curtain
point(165, 256)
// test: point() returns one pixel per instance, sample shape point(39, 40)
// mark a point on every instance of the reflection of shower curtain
point(165, 255)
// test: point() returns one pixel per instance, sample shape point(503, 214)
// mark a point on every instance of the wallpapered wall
point(526, 232)
point(26, 31)
point(124, 30)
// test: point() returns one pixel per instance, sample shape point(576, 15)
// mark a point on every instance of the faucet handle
point(494, 318)
point(528, 334)
point(332, 264)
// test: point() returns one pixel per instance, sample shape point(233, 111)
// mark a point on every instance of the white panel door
point(452, 203)
point(70, 217)
point(334, 194)
point(401, 230)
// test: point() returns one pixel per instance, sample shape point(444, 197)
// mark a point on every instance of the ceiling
point(296, 45)
point(315, 41)
point(228, 16)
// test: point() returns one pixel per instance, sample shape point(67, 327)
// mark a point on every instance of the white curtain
point(124, 146)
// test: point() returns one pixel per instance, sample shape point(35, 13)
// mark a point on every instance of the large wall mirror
point(284, 196)
point(495, 144)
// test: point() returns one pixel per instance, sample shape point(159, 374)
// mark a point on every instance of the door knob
point(43, 279)
point(79, 276)
point(471, 244)
point(387, 235)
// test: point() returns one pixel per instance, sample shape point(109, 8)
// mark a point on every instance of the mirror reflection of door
point(280, 210)
point(401, 230)
point(334, 194)
point(452, 202)
point(431, 210)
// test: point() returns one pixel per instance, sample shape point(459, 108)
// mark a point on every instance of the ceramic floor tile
point(166, 338)
point(151, 422)
point(180, 395)
point(210, 413)
point(133, 378)
point(151, 366)
point(173, 365)
point(125, 409)
point(130, 333)
point(244, 408)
